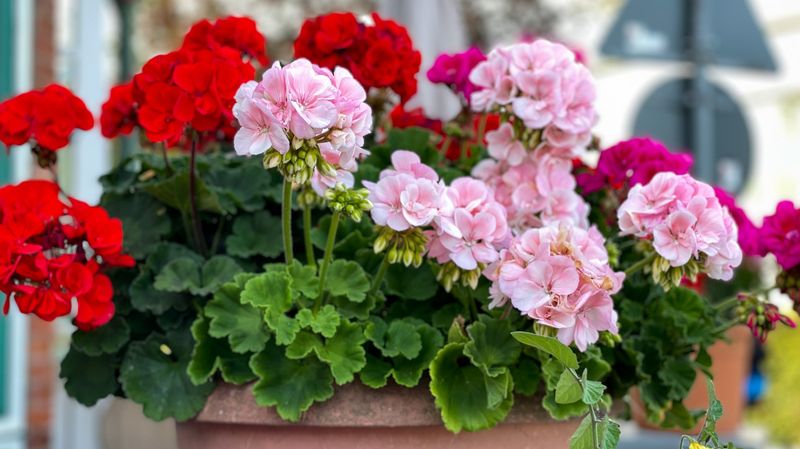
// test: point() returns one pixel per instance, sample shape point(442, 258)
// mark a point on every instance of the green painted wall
point(7, 29)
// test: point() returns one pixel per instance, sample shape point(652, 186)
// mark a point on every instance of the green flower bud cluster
point(299, 162)
point(668, 276)
point(406, 247)
point(613, 253)
point(609, 339)
point(789, 284)
point(307, 197)
point(351, 202)
point(449, 273)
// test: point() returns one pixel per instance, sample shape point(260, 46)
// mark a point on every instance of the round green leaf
point(491, 346)
point(89, 378)
point(242, 324)
point(251, 236)
point(419, 284)
point(347, 278)
point(144, 221)
point(106, 339)
point(212, 354)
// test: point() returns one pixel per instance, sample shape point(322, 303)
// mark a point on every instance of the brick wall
point(42, 370)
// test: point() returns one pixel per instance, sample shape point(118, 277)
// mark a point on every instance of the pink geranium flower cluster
point(544, 88)
point(685, 220)
point(453, 70)
point(303, 102)
point(474, 231)
point(559, 276)
point(539, 191)
point(631, 162)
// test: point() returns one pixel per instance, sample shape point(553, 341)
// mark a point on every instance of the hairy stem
point(592, 411)
point(200, 239)
point(640, 264)
point(286, 217)
point(310, 258)
point(378, 279)
point(326, 259)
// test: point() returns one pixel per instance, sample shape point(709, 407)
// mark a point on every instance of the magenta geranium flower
point(453, 70)
point(780, 234)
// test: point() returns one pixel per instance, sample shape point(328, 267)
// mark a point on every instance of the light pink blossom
point(503, 146)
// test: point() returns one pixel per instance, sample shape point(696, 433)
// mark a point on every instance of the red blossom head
point(118, 115)
point(46, 118)
point(380, 55)
point(236, 33)
point(53, 250)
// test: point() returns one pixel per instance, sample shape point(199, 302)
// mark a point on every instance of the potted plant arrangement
point(289, 253)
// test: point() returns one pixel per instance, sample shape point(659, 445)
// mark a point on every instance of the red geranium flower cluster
point(46, 118)
point(53, 250)
point(191, 87)
point(378, 55)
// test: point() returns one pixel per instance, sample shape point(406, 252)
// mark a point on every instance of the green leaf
point(561, 412)
point(582, 438)
point(242, 324)
point(304, 280)
point(324, 322)
point(144, 221)
point(344, 352)
point(549, 345)
point(609, 433)
point(243, 182)
point(456, 332)
point(254, 234)
point(408, 372)
point(418, 284)
point(289, 385)
point(285, 328)
point(679, 376)
point(568, 390)
point(592, 392)
point(184, 274)
point(714, 412)
point(145, 298)
point(159, 382)
point(89, 378)
point(491, 346)
point(400, 337)
point(460, 393)
point(174, 192)
point(212, 354)
point(106, 339)
point(271, 290)
point(347, 278)
point(302, 345)
point(165, 252)
point(526, 374)
point(375, 373)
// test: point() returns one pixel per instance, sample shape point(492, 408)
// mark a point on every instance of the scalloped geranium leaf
point(498, 387)
point(154, 374)
point(491, 346)
point(184, 274)
point(679, 375)
point(271, 290)
point(165, 252)
point(243, 182)
point(568, 389)
point(549, 345)
point(304, 279)
point(145, 298)
point(304, 343)
point(347, 278)
point(89, 378)
point(398, 338)
point(526, 374)
point(285, 328)
point(344, 352)
point(323, 322)
point(408, 372)
point(144, 221)
point(419, 284)
point(106, 339)
point(460, 393)
point(213, 354)
point(291, 386)
point(251, 233)
point(174, 192)
point(375, 373)
point(242, 324)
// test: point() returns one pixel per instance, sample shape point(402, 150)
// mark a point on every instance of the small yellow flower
point(696, 445)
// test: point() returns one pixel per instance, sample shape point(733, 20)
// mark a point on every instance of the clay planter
point(358, 417)
point(730, 369)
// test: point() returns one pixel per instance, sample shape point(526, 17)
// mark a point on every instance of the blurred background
point(720, 77)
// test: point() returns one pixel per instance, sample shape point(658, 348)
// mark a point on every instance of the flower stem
point(286, 216)
point(482, 128)
point(310, 258)
point(326, 259)
point(726, 326)
point(640, 264)
point(378, 279)
point(199, 238)
point(592, 410)
point(727, 304)
point(167, 164)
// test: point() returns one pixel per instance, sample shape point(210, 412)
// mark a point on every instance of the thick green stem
point(326, 259)
point(310, 258)
point(640, 264)
point(286, 216)
point(378, 279)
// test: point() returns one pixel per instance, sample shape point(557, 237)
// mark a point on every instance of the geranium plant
point(270, 238)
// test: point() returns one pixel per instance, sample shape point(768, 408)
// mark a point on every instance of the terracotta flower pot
point(730, 369)
point(358, 417)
